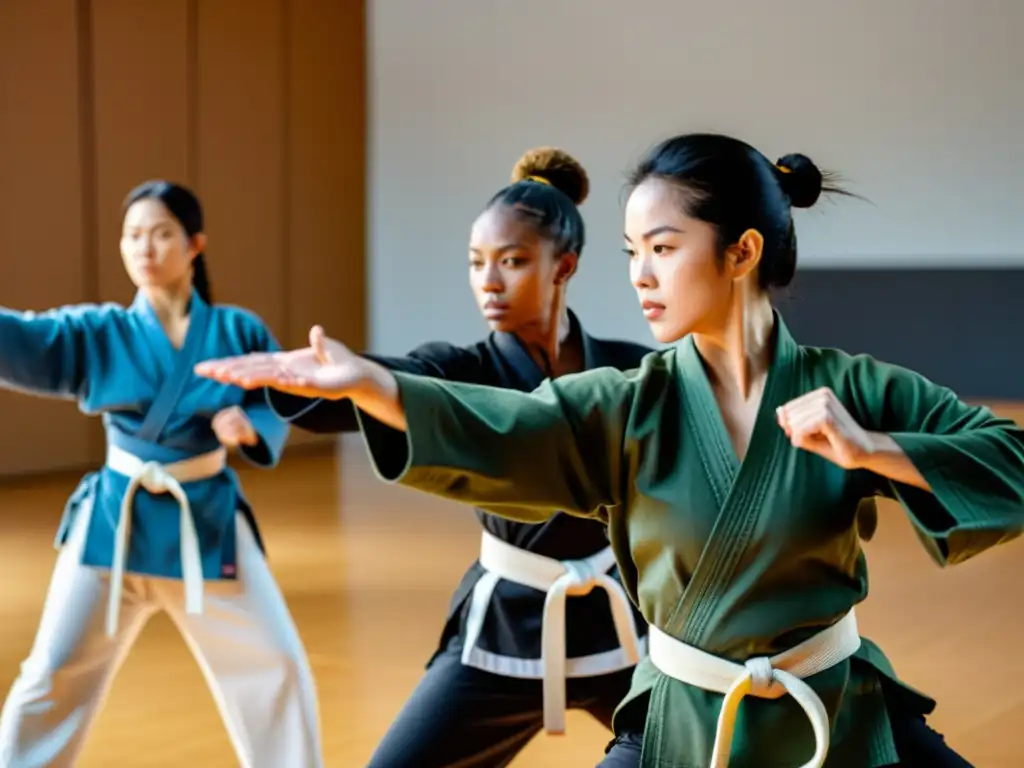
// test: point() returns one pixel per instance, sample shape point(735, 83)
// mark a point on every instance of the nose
point(641, 273)
point(492, 282)
point(145, 246)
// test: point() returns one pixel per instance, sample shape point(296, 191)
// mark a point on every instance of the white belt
point(160, 478)
point(559, 579)
point(764, 677)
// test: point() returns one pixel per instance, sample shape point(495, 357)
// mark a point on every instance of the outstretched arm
point(518, 455)
point(325, 416)
point(271, 432)
point(48, 353)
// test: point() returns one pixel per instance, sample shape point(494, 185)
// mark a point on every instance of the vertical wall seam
point(88, 184)
point(192, 93)
point(286, 175)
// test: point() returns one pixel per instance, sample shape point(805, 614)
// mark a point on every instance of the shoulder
point(623, 354)
point(90, 316)
point(828, 366)
point(244, 325)
point(620, 386)
point(443, 350)
point(867, 384)
point(454, 362)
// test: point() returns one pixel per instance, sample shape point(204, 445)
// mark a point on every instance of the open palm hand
point(326, 368)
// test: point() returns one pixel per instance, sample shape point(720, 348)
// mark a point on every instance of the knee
point(623, 752)
point(291, 667)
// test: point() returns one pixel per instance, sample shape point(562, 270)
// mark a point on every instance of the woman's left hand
point(818, 422)
point(233, 428)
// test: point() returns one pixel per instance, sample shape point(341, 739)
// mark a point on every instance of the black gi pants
point(463, 717)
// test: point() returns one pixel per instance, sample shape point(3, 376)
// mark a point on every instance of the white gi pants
point(245, 642)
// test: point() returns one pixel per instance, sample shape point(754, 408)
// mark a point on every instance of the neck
point(739, 353)
point(547, 340)
point(169, 302)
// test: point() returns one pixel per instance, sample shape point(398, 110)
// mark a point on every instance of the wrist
point(879, 447)
point(370, 385)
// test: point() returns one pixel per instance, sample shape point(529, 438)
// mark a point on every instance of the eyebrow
point(153, 225)
point(500, 249)
point(656, 231)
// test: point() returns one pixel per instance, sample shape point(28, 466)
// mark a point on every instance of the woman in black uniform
point(540, 622)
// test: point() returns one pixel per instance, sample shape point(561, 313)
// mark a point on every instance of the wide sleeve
point(523, 456)
point(972, 459)
point(272, 431)
point(51, 353)
point(320, 416)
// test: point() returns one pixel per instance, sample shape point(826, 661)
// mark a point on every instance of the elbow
point(262, 454)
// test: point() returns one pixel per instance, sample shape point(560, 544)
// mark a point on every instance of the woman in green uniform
point(734, 470)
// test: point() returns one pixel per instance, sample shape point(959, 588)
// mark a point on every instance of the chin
point(667, 334)
point(503, 326)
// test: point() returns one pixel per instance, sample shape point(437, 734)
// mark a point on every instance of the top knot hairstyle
point(729, 184)
point(547, 186)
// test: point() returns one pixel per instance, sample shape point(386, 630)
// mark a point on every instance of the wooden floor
point(368, 570)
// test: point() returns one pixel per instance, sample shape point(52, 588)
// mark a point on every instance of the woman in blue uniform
point(165, 517)
point(540, 622)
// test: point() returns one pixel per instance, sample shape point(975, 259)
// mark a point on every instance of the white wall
point(919, 103)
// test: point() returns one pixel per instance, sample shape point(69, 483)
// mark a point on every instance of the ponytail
point(201, 278)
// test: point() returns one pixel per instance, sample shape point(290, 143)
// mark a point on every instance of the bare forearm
point(888, 460)
point(379, 397)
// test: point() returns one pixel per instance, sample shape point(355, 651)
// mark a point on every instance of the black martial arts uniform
point(481, 701)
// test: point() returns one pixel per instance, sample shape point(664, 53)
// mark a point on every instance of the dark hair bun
point(801, 180)
point(558, 168)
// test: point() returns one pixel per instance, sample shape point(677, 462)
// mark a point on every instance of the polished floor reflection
point(368, 570)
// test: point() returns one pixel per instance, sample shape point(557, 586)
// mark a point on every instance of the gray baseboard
point(961, 328)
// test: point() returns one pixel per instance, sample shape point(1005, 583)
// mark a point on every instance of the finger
point(254, 373)
point(816, 398)
point(249, 436)
point(211, 367)
point(809, 422)
point(809, 399)
point(319, 345)
point(782, 418)
point(226, 436)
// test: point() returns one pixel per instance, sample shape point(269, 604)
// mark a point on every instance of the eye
point(660, 250)
point(515, 261)
point(629, 252)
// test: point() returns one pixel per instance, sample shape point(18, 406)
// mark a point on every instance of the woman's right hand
point(325, 369)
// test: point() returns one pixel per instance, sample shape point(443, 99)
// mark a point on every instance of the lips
point(652, 310)
point(494, 307)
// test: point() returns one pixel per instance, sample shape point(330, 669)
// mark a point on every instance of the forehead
point(654, 203)
point(147, 212)
point(501, 225)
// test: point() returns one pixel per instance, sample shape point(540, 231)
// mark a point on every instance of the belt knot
point(762, 676)
point(154, 478)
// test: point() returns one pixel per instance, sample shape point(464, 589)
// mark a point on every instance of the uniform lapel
point(739, 486)
point(176, 364)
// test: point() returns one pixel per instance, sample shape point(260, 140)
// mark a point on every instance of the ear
point(744, 256)
point(566, 267)
point(198, 242)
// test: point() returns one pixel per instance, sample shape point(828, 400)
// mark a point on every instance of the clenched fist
point(818, 422)
point(233, 428)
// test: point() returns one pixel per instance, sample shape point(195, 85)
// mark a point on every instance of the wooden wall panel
point(327, 170)
point(326, 159)
point(240, 154)
point(141, 72)
point(42, 263)
point(259, 106)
